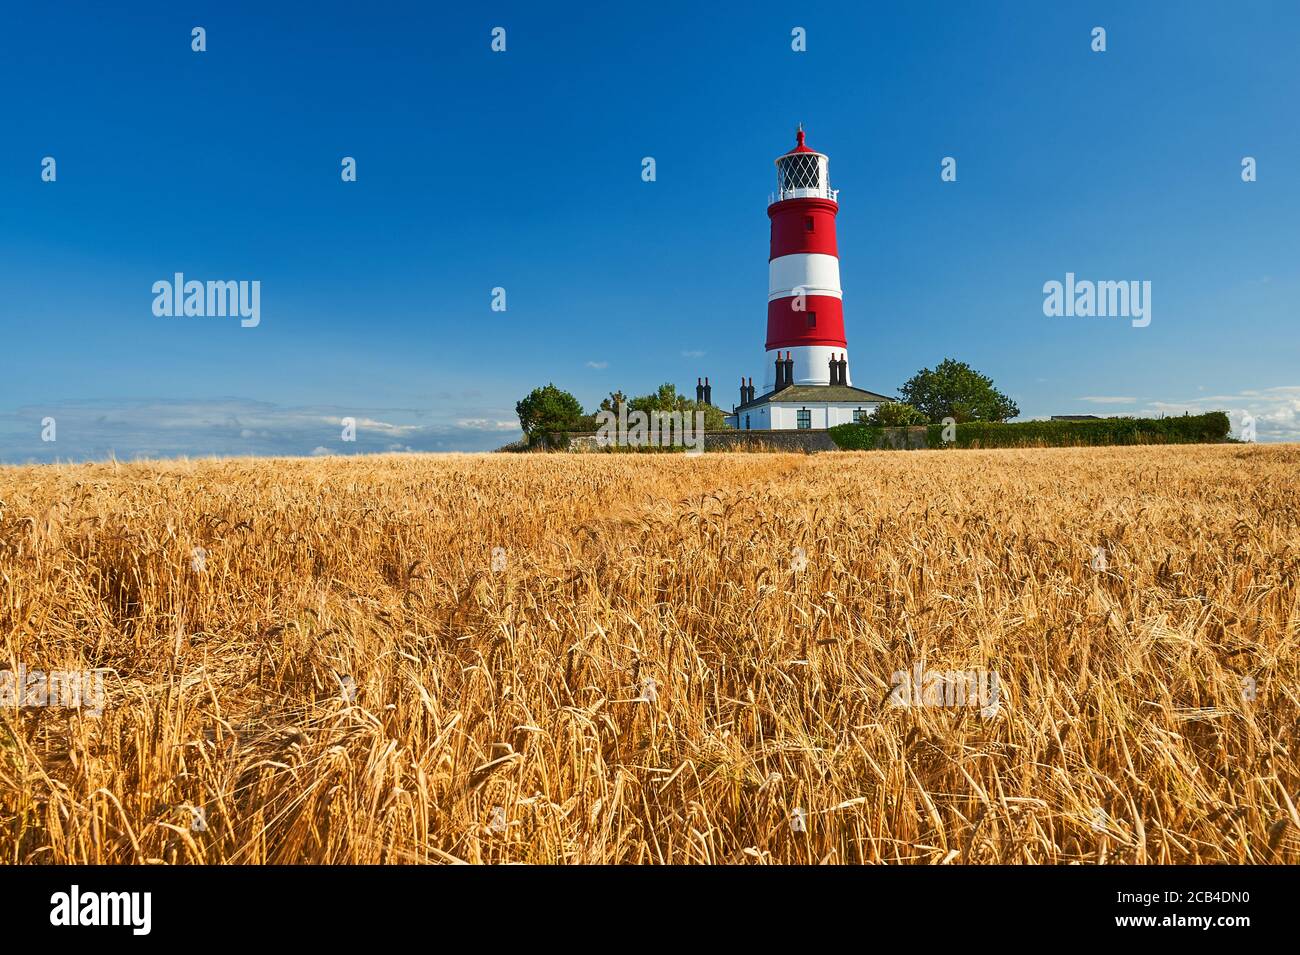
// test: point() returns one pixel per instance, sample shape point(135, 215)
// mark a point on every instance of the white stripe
point(811, 365)
point(816, 273)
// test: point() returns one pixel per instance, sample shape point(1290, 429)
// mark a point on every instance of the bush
point(897, 414)
point(857, 437)
point(868, 437)
point(1188, 429)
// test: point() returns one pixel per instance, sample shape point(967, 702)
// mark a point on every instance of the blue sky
point(522, 170)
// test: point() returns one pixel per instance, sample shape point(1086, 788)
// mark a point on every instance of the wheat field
point(656, 659)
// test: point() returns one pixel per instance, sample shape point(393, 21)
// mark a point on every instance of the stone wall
point(787, 441)
point(796, 441)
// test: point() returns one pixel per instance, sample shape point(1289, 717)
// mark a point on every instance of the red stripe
point(790, 221)
point(787, 328)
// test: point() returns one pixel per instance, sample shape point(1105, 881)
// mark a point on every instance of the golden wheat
point(670, 660)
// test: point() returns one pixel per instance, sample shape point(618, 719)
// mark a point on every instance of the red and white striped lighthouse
point(805, 313)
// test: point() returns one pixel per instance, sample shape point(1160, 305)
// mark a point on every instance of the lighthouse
point(805, 306)
point(806, 380)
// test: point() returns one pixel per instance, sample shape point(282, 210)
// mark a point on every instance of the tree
point(663, 398)
point(611, 403)
point(666, 398)
point(548, 409)
point(715, 419)
point(956, 390)
point(897, 414)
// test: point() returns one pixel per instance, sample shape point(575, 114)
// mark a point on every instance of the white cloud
point(1276, 410)
point(1109, 399)
point(598, 364)
point(692, 354)
point(483, 424)
point(384, 427)
point(137, 428)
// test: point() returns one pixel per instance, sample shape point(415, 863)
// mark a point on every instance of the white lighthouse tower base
point(811, 365)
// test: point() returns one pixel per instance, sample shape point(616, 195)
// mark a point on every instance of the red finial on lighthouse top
point(800, 147)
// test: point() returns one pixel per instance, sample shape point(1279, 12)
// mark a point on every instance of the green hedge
point(1187, 429)
point(869, 437)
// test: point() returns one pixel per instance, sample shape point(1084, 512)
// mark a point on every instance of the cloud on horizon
point(229, 427)
point(1276, 410)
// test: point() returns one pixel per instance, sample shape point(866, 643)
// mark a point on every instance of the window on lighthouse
point(808, 223)
point(812, 319)
point(805, 419)
point(800, 171)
